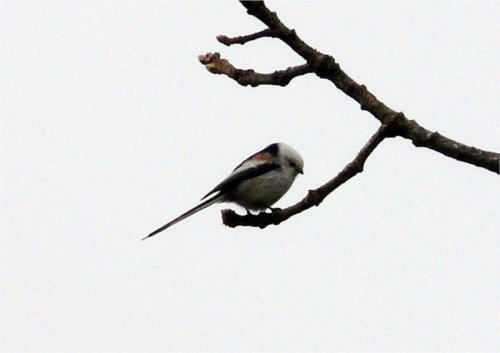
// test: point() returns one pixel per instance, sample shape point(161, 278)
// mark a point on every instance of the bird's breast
point(263, 191)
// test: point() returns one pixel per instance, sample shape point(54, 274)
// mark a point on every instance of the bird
point(255, 184)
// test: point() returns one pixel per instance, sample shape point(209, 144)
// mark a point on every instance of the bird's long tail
point(201, 206)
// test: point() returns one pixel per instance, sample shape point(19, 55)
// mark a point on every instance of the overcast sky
point(111, 127)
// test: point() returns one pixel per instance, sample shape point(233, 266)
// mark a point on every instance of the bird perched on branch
point(255, 184)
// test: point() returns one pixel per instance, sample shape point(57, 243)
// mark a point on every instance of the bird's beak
point(301, 171)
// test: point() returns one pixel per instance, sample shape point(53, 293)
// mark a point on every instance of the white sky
point(110, 128)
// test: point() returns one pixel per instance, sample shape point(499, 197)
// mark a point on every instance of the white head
point(289, 157)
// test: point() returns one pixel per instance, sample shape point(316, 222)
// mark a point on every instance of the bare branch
point(314, 197)
point(325, 67)
point(217, 65)
point(245, 39)
point(393, 123)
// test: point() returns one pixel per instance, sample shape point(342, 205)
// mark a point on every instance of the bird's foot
point(274, 209)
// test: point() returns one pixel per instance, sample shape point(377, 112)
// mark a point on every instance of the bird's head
point(288, 156)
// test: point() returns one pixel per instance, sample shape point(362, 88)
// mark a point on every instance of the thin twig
point(266, 33)
point(217, 65)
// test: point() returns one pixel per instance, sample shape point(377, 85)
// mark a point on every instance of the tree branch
point(325, 67)
point(314, 197)
point(217, 65)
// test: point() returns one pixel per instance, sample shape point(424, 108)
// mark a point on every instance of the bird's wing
point(241, 174)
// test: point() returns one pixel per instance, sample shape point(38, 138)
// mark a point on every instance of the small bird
point(255, 184)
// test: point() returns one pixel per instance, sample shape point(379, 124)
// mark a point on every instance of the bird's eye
point(292, 164)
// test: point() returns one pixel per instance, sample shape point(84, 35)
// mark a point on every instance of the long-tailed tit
point(255, 184)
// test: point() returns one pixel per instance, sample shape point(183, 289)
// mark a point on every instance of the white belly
point(263, 191)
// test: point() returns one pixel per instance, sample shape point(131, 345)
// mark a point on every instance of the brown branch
point(245, 39)
point(314, 197)
point(325, 67)
point(217, 65)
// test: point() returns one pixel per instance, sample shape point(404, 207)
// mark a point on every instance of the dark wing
point(233, 180)
point(266, 154)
